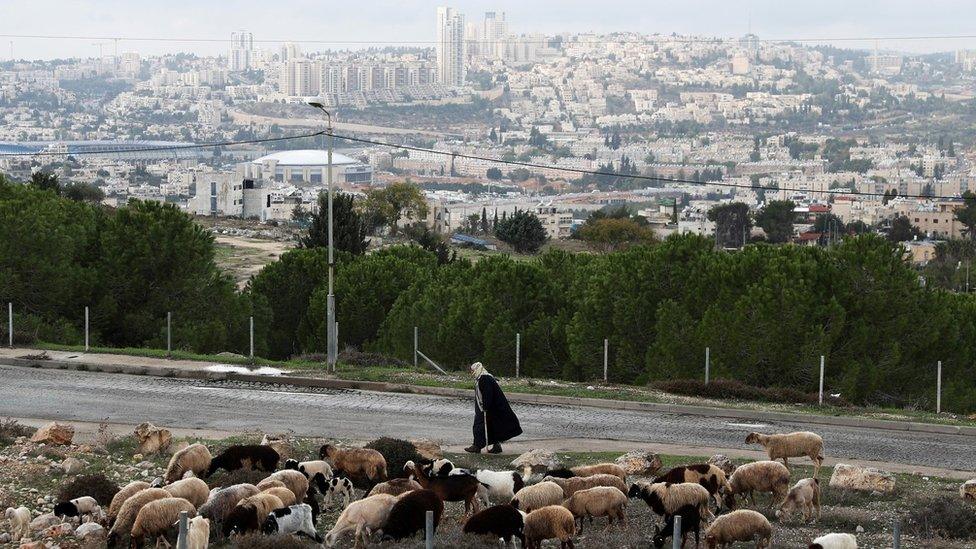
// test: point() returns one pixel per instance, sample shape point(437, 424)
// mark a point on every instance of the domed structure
point(307, 167)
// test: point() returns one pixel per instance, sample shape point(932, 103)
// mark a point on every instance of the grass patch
point(10, 430)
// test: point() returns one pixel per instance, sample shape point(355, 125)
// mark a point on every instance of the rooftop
point(307, 157)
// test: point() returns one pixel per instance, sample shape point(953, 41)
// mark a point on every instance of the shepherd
point(494, 420)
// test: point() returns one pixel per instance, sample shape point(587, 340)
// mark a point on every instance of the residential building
point(450, 47)
point(241, 50)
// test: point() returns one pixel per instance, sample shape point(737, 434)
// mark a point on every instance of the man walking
point(494, 420)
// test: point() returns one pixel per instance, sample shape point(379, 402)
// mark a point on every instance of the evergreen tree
point(349, 230)
point(523, 231)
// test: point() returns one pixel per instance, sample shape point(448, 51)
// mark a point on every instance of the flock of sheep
point(554, 507)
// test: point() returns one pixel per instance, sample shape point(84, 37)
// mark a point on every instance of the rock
point(33, 545)
point(54, 433)
point(72, 466)
point(59, 530)
point(968, 490)
point(859, 529)
point(152, 439)
point(640, 463)
point(4, 538)
point(536, 461)
point(868, 479)
point(136, 458)
point(89, 530)
point(43, 522)
point(281, 444)
point(144, 464)
point(723, 463)
point(428, 449)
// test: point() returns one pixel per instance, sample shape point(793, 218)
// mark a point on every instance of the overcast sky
point(408, 20)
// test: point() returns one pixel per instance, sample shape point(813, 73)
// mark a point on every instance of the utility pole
point(330, 300)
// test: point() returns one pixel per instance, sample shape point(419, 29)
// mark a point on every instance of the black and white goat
point(296, 519)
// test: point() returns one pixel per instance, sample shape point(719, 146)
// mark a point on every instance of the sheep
point(600, 469)
point(502, 485)
point(575, 484)
point(762, 476)
point(395, 487)
point(785, 446)
point(834, 541)
point(553, 521)
point(293, 480)
point(363, 517)
point(122, 495)
point(294, 519)
point(665, 499)
point(158, 517)
point(284, 494)
point(130, 510)
point(334, 488)
point(19, 519)
point(537, 496)
point(313, 502)
point(198, 533)
point(601, 501)
point(356, 463)
point(245, 456)
point(195, 457)
point(450, 488)
point(805, 494)
point(250, 512)
point(223, 501)
point(690, 522)
point(191, 489)
point(409, 514)
point(266, 483)
point(741, 525)
point(500, 521)
point(713, 478)
point(311, 468)
point(85, 506)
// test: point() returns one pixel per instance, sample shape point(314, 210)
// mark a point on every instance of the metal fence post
point(938, 389)
point(708, 352)
point(518, 352)
point(251, 334)
point(10, 324)
point(169, 333)
point(335, 331)
point(429, 530)
point(86, 328)
point(896, 542)
point(676, 533)
point(415, 347)
point(606, 354)
point(821, 378)
point(181, 538)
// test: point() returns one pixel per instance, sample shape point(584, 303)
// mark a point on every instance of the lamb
point(601, 501)
point(294, 519)
point(575, 484)
point(191, 489)
point(450, 488)
point(363, 517)
point(805, 494)
point(245, 456)
point(600, 469)
point(741, 525)
point(198, 533)
point(762, 476)
point(395, 487)
point(295, 481)
point(409, 514)
point(284, 494)
point(250, 512)
point(333, 489)
point(158, 517)
point(690, 522)
point(500, 521)
point(785, 446)
point(834, 541)
point(553, 521)
point(665, 499)
point(223, 501)
point(122, 495)
point(19, 519)
point(85, 506)
point(502, 485)
point(713, 478)
point(311, 468)
point(356, 463)
point(537, 496)
point(130, 510)
point(195, 457)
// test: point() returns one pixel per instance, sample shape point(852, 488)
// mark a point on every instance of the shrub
point(261, 541)
point(249, 476)
point(732, 389)
point(944, 517)
point(397, 452)
point(10, 430)
point(353, 357)
point(97, 486)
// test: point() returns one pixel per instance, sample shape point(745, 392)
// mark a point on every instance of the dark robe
point(502, 422)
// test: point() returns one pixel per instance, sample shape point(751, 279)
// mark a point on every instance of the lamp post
point(330, 302)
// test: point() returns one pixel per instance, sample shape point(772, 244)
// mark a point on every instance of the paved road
point(359, 415)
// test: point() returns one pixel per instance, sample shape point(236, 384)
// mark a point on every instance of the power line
point(164, 147)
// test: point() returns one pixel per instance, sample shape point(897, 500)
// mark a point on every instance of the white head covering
point(478, 369)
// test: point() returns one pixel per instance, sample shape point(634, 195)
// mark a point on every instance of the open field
point(244, 257)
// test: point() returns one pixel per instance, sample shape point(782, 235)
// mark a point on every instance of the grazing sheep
point(785, 446)
point(363, 517)
point(553, 521)
point(223, 501)
point(198, 533)
point(266, 483)
point(500, 521)
point(575, 484)
point(295, 481)
point(395, 487)
point(310, 468)
point(284, 494)
point(85, 506)
point(560, 472)
point(249, 514)
point(245, 456)
point(600, 469)
point(502, 485)
point(713, 478)
point(335, 488)
point(294, 519)
point(741, 525)
point(191, 489)
point(834, 541)
point(690, 522)
point(805, 494)
point(313, 502)
point(19, 519)
point(356, 463)
point(130, 510)
point(601, 501)
point(759, 476)
point(195, 457)
point(122, 495)
point(537, 496)
point(450, 488)
point(665, 499)
point(158, 517)
point(409, 514)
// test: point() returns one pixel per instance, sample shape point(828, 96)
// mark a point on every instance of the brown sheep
point(600, 469)
point(284, 494)
point(191, 489)
point(805, 494)
point(157, 517)
point(785, 446)
point(759, 476)
point(250, 513)
point(130, 509)
point(553, 521)
point(711, 477)
point(602, 501)
point(575, 484)
point(295, 481)
point(537, 496)
point(741, 525)
point(195, 457)
point(121, 496)
point(356, 463)
point(395, 487)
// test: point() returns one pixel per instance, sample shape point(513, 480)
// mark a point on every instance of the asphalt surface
point(359, 415)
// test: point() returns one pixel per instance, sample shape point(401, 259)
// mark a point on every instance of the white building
point(450, 47)
point(241, 50)
point(298, 79)
point(308, 167)
point(494, 34)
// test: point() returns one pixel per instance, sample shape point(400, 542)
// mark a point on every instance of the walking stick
point(485, 413)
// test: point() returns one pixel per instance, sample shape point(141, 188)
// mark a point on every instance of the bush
point(397, 452)
point(353, 357)
point(731, 389)
point(97, 486)
point(249, 476)
point(261, 541)
point(10, 430)
point(945, 517)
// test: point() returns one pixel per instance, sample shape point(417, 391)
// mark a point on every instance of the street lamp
point(330, 328)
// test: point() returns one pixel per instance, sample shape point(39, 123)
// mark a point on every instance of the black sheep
point(690, 522)
point(313, 501)
point(409, 515)
point(650, 498)
point(561, 472)
point(257, 456)
point(500, 521)
point(243, 518)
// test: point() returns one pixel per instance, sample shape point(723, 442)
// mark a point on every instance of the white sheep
point(538, 496)
point(835, 541)
point(742, 525)
point(195, 458)
point(197, 533)
point(310, 468)
point(759, 476)
point(785, 446)
point(19, 519)
point(502, 485)
point(294, 519)
point(363, 517)
point(575, 484)
point(805, 494)
point(191, 489)
point(158, 517)
point(85, 506)
point(600, 469)
point(601, 501)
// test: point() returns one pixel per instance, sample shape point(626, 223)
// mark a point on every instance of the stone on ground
point(54, 433)
point(152, 439)
point(536, 462)
point(640, 463)
point(867, 479)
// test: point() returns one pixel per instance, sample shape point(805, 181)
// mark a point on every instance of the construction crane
point(99, 44)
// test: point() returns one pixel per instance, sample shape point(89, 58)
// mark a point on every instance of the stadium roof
point(307, 157)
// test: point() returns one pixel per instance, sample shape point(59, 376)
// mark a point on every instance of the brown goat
point(450, 488)
point(356, 463)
